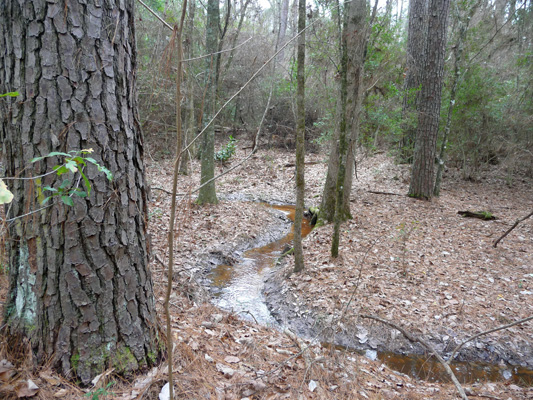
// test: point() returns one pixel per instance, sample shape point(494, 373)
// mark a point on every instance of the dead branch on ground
point(521, 321)
point(511, 228)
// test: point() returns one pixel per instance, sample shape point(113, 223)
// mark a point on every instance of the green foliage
point(227, 151)
point(95, 395)
point(74, 162)
point(10, 94)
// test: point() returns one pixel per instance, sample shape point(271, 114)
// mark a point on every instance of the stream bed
point(239, 287)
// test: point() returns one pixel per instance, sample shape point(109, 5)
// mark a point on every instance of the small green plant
point(100, 392)
point(74, 161)
point(155, 213)
point(227, 151)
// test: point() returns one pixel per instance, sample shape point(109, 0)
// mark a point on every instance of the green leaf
point(5, 194)
point(50, 188)
point(107, 172)
point(64, 184)
point(10, 94)
point(87, 183)
point(36, 159)
point(58, 153)
point(72, 166)
point(67, 200)
point(60, 169)
point(45, 200)
point(80, 193)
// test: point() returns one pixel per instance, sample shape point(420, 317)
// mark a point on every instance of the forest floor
point(417, 264)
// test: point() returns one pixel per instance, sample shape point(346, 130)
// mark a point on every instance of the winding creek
point(239, 288)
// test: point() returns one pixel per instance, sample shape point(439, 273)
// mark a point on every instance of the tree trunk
point(207, 193)
point(356, 41)
point(189, 132)
point(423, 172)
point(352, 64)
point(458, 58)
point(80, 288)
point(416, 46)
point(300, 142)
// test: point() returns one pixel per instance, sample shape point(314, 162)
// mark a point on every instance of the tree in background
point(300, 139)
point(80, 287)
point(423, 171)
point(354, 41)
point(207, 193)
point(414, 69)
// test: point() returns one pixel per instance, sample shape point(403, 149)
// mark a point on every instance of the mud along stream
point(239, 286)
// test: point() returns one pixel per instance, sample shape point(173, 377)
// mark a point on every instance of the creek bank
point(284, 308)
point(495, 359)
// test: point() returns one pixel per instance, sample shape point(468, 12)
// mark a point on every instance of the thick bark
point(300, 141)
point(80, 288)
point(416, 46)
point(207, 193)
point(423, 171)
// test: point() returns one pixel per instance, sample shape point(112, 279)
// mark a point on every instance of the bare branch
point(454, 352)
point(511, 228)
point(415, 339)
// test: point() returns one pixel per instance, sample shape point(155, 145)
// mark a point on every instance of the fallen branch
point(454, 352)
point(386, 193)
point(511, 228)
point(416, 339)
point(484, 215)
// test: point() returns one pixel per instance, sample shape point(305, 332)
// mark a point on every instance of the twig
point(454, 352)
point(386, 193)
point(167, 191)
point(415, 339)
point(511, 228)
point(155, 15)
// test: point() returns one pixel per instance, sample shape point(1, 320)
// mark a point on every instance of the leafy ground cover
point(418, 264)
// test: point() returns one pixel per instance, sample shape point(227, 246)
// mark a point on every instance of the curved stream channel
point(238, 288)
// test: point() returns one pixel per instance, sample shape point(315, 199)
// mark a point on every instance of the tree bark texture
point(207, 193)
point(300, 141)
point(80, 287)
point(416, 46)
point(423, 171)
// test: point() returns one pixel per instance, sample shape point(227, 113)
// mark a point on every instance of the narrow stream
point(239, 288)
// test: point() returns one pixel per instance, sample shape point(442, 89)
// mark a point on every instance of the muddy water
point(238, 288)
point(466, 372)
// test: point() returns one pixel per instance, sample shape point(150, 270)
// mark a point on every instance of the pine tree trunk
point(423, 172)
point(80, 287)
point(416, 46)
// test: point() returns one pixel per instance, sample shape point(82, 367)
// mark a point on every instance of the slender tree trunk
point(283, 19)
point(423, 171)
point(355, 38)
point(416, 46)
point(80, 287)
point(189, 133)
point(458, 55)
point(207, 193)
point(300, 142)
